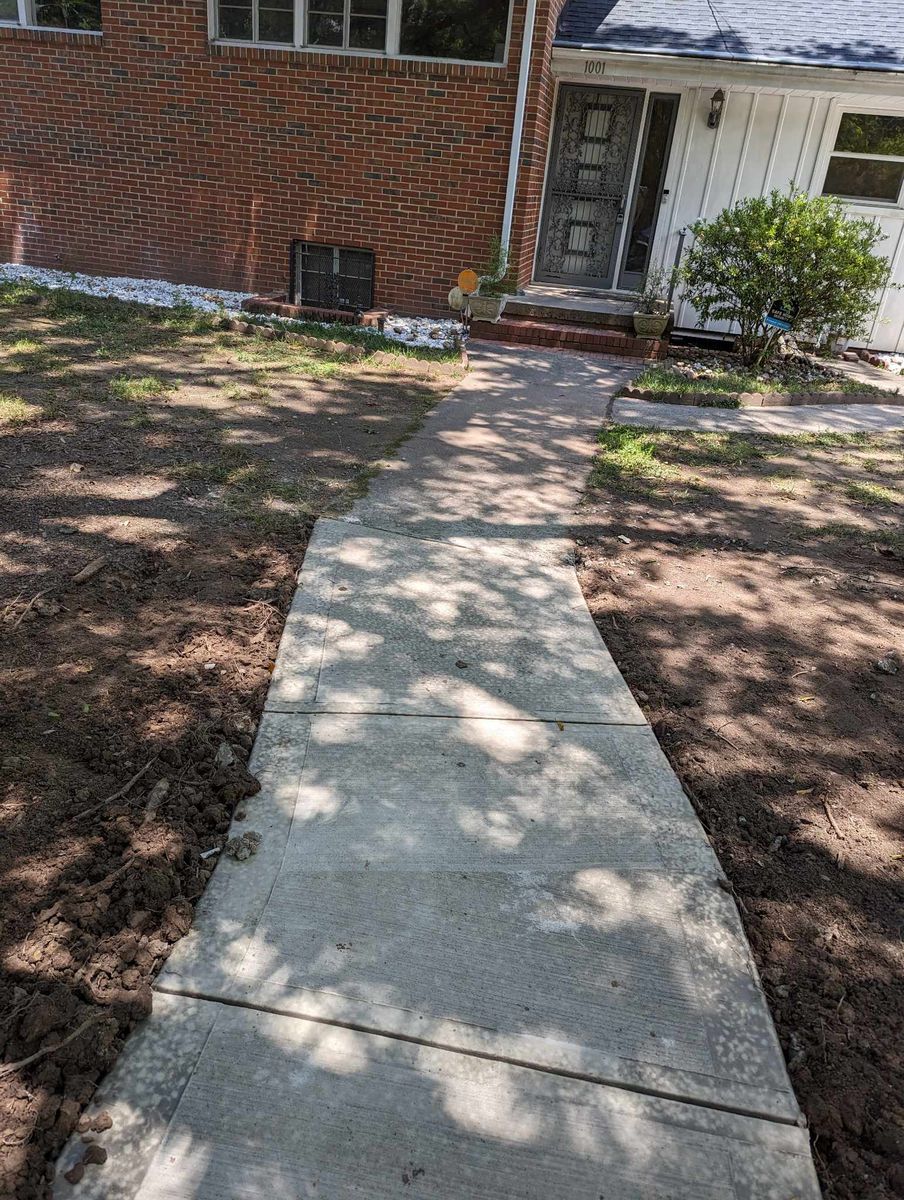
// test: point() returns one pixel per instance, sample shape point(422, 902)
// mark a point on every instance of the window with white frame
point(867, 160)
point(347, 24)
point(341, 24)
point(257, 20)
point(61, 14)
point(470, 30)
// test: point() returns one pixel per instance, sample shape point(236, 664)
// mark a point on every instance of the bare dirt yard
point(752, 592)
point(159, 481)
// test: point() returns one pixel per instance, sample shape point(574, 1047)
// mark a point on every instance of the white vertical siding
point(768, 139)
point(770, 135)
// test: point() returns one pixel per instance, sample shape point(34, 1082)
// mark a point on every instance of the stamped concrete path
point(483, 951)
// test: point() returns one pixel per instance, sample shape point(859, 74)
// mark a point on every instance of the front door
point(588, 183)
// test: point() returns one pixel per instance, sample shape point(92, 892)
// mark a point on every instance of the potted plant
point(489, 300)
point(652, 313)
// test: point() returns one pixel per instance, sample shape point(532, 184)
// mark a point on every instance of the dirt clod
point(244, 846)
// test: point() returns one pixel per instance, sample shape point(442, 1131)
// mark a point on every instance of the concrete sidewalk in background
point(483, 950)
point(817, 418)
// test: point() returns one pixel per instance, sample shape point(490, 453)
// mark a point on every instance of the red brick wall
point(150, 153)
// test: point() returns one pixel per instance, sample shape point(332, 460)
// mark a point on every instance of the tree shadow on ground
point(192, 472)
point(749, 616)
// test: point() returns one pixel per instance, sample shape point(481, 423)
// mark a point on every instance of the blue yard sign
point(781, 316)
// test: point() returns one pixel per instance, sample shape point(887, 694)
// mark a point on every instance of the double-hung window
point(867, 160)
point(342, 24)
point(347, 24)
point(466, 30)
point(61, 14)
point(257, 20)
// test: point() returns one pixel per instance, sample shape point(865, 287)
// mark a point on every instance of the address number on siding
point(594, 68)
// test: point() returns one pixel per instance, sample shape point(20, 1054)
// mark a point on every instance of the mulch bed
point(761, 631)
point(131, 692)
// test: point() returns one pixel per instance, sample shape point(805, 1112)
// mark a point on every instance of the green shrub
point(801, 253)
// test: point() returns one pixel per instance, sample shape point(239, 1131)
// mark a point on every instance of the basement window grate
point(333, 276)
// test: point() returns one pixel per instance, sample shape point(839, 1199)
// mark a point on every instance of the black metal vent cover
point(332, 276)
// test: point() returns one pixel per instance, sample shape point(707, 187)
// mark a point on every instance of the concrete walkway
point(483, 951)
point(864, 372)
point(820, 418)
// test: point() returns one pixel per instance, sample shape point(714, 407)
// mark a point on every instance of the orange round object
point(468, 281)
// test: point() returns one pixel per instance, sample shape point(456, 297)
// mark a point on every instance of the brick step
point(562, 335)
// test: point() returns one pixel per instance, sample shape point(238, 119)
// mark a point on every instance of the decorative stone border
point(759, 399)
point(270, 334)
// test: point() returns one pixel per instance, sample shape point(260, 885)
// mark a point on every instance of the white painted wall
point(778, 126)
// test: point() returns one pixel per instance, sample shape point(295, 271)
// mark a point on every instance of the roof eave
point(745, 59)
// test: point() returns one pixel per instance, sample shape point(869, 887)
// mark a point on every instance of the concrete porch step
point(597, 311)
point(565, 335)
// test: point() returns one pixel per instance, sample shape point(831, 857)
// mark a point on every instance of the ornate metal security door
point(587, 187)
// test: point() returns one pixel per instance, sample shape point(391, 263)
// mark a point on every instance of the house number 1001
point(594, 68)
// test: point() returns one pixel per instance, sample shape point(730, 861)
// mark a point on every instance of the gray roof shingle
point(862, 34)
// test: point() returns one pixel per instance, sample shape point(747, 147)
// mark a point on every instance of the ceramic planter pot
point(487, 308)
point(650, 325)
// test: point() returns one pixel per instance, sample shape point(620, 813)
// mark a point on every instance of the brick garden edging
point(269, 333)
point(276, 306)
point(759, 399)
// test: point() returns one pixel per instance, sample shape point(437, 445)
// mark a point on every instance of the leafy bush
point(803, 254)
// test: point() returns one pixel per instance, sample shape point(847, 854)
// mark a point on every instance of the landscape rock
point(225, 755)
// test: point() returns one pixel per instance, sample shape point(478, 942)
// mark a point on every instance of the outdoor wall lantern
point(716, 104)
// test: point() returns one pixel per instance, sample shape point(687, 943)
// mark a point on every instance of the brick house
point(252, 144)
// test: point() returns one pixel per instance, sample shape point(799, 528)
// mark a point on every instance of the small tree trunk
point(768, 342)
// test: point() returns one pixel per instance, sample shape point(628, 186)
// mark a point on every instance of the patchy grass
point(25, 346)
point(276, 356)
point(359, 336)
point(659, 377)
point(628, 451)
point(887, 541)
point(630, 459)
point(132, 388)
point(686, 466)
point(637, 458)
point(16, 411)
point(788, 487)
point(118, 327)
point(872, 495)
point(249, 487)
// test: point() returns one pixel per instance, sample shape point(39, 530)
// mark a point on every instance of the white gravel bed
point(428, 332)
